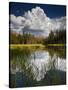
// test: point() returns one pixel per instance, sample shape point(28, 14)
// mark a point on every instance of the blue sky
point(52, 11)
point(38, 17)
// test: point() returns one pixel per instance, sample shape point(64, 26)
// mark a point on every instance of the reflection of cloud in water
point(38, 62)
point(61, 64)
point(41, 62)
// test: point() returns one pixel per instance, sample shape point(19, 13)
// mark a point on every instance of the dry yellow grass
point(32, 45)
point(25, 45)
point(56, 44)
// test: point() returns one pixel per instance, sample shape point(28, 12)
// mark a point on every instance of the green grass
point(56, 44)
point(33, 45)
point(13, 46)
point(25, 45)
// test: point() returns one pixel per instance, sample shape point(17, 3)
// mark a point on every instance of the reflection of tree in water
point(36, 66)
point(19, 58)
point(59, 51)
point(24, 63)
point(53, 62)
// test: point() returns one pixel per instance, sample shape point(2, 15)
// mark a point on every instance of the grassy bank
point(25, 45)
point(56, 45)
point(33, 45)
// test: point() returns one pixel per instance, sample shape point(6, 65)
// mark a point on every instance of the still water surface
point(35, 67)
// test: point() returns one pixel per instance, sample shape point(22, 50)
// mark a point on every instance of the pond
point(35, 66)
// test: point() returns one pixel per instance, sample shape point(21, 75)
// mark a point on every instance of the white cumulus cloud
point(36, 19)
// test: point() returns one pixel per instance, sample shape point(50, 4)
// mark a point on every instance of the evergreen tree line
point(24, 39)
point(57, 37)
